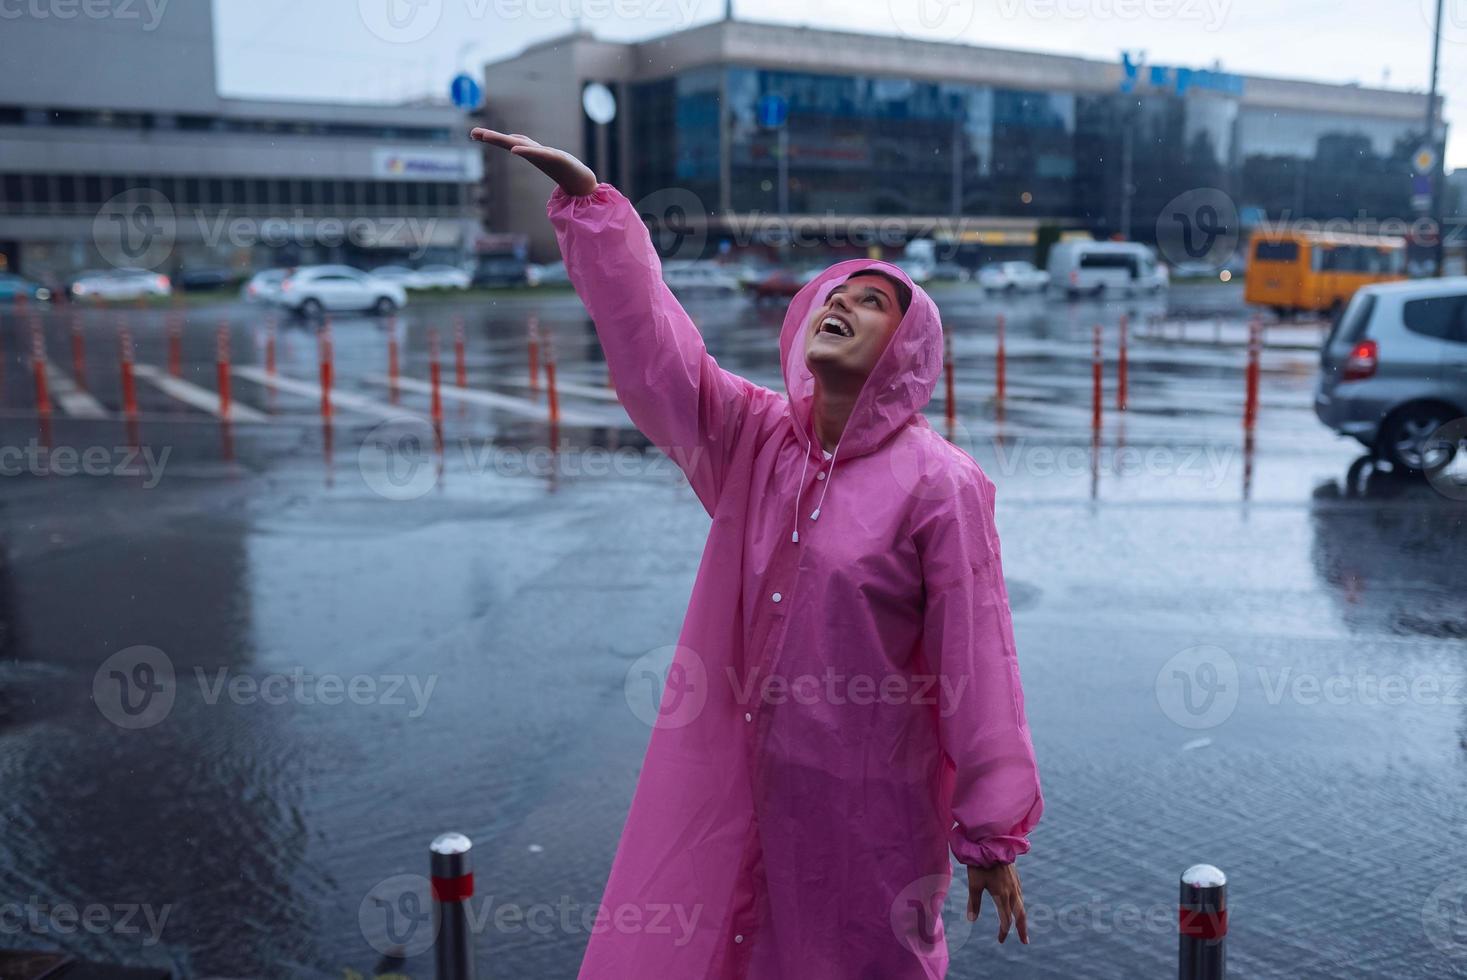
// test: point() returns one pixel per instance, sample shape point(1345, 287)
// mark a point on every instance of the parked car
point(1013, 277)
point(264, 287)
point(200, 278)
point(1394, 370)
point(443, 277)
point(316, 289)
point(553, 274)
point(777, 284)
point(951, 272)
point(400, 274)
point(1095, 268)
point(115, 284)
point(698, 277)
point(12, 286)
point(500, 271)
point(917, 271)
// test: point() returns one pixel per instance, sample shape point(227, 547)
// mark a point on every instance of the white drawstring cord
point(795, 536)
point(829, 479)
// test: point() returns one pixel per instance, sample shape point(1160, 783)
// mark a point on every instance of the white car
point(400, 274)
point(917, 271)
point(120, 284)
point(264, 287)
point(553, 274)
point(316, 289)
point(1095, 268)
point(1013, 277)
point(698, 277)
point(442, 277)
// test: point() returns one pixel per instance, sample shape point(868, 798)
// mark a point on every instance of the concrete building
point(730, 123)
point(119, 150)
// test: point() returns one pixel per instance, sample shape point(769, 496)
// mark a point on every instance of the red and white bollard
point(460, 367)
point(554, 397)
point(1122, 381)
point(952, 404)
point(1250, 378)
point(534, 340)
point(175, 345)
point(394, 366)
point(326, 368)
point(1097, 373)
point(78, 350)
point(129, 386)
point(435, 377)
point(270, 350)
point(221, 367)
point(38, 367)
point(1000, 385)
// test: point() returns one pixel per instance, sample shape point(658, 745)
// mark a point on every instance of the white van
point(1095, 268)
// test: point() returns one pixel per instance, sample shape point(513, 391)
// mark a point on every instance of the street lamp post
point(1438, 147)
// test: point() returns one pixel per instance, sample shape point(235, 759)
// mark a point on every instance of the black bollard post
point(1203, 924)
point(453, 886)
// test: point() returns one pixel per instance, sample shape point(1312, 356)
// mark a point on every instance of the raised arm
point(670, 385)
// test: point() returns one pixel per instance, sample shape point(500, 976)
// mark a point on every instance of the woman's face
point(848, 334)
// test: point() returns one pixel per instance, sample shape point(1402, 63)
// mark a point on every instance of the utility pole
point(1438, 147)
point(1128, 177)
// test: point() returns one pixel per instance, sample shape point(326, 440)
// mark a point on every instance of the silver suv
point(1395, 371)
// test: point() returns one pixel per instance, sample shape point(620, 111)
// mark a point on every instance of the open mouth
point(837, 325)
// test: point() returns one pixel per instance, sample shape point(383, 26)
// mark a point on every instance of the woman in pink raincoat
point(844, 705)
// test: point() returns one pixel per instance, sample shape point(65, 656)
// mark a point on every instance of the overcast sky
point(376, 50)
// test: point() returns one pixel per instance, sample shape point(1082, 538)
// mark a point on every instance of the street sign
point(772, 111)
point(465, 92)
point(599, 103)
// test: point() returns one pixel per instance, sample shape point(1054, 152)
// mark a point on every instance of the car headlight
point(43, 294)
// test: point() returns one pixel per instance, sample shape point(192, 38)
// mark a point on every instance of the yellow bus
point(1317, 272)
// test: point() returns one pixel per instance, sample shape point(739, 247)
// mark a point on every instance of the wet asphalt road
point(1255, 660)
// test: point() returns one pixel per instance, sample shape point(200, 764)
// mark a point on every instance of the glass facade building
point(884, 146)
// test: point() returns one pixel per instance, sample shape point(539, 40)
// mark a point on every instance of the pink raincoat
point(844, 705)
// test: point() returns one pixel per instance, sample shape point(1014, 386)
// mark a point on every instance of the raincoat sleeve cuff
point(988, 852)
point(560, 199)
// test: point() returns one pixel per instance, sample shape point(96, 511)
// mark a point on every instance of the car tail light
point(1074, 277)
point(1362, 362)
point(286, 285)
point(162, 282)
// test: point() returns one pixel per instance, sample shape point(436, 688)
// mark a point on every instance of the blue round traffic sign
point(772, 111)
point(465, 92)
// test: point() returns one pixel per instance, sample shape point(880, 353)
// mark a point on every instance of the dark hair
point(903, 291)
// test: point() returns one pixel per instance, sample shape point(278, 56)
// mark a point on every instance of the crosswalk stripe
point(339, 399)
point(522, 407)
point(74, 401)
point(192, 394)
point(573, 388)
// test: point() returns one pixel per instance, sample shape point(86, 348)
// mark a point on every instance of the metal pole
point(1438, 169)
point(1128, 138)
point(453, 885)
point(1203, 924)
point(784, 168)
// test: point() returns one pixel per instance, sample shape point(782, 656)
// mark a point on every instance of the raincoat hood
point(900, 384)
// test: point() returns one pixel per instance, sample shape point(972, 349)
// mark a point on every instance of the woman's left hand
point(1002, 882)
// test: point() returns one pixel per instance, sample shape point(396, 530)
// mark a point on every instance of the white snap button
point(820, 475)
point(738, 939)
point(776, 597)
point(748, 717)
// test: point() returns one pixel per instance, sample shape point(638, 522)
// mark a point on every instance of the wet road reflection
point(379, 629)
